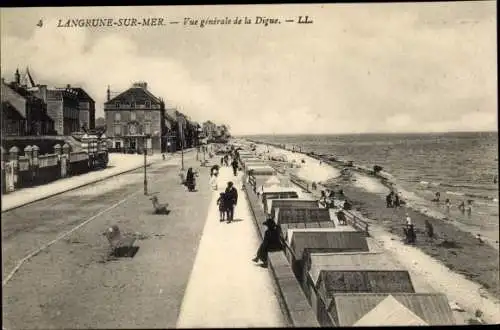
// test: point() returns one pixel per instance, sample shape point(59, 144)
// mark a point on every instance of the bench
point(159, 208)
point(119, 245)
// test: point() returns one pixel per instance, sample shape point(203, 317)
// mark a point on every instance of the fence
point(32, 169)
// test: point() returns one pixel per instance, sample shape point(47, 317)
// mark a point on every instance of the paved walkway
point(226, 289)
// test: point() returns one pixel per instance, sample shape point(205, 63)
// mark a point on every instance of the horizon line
point(363, 133)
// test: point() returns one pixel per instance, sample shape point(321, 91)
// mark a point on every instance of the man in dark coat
point(231, 196)
point(234, 163)
point(271, 242)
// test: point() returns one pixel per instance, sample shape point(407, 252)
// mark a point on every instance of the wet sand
point(458, 250)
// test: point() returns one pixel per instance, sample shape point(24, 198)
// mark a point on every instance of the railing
point(300, 182)
point(357, 222)
point(78, 156)
point(24, 164)
point(47, 160)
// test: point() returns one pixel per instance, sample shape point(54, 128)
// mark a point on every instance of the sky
point(358, 68)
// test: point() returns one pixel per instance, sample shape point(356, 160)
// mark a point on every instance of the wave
point(461, 185)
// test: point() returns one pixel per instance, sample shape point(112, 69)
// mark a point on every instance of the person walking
point(231, 198)
point(271, 242)
point(234, 164)
point(190, 179)
point(222, 206)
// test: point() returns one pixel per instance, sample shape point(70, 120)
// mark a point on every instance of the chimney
point(68, 86)
point(43, 92)
point(108, 94)
point(17, 77)
point(141, 84)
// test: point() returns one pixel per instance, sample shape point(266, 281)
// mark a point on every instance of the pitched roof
point(82, 93)
point(327, 241)
point(135, 94)
point(433, 308)
point(9, 111)
point(390, 312)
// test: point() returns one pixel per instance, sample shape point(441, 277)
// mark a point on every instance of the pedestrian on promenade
point(235, 166)
point(231, 198)
point(222, 206)
point(190, 179)
point(271, 242)
point(222, 161)
point(214, 170)
point(213, 181)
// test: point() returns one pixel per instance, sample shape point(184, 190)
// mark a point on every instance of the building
point(86, 108)
point(23, 113)
point(62, 103)
point(133, 114)
point(209, 129)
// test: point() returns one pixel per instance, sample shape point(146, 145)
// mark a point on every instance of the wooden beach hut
point(387, 309)
point(338, 239)
point(273, 204)
point(278, 192)
point(353, 273)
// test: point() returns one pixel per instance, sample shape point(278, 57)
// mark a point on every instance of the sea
point(460, 166)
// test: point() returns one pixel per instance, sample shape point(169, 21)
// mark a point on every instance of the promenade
point(190, 269)
point(226, 289)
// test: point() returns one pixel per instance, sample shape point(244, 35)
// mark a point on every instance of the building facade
point(25, 113)
point(132, 115)
point(86, 109)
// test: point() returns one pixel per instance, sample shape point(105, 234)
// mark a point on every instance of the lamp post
point(146, 137)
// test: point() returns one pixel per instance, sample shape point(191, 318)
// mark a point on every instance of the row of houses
point(136, 113)
point(33, 109)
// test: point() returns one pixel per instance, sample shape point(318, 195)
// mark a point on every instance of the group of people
point(227, 202)
point(232, 158)
point(393, 200)
point(462, 207)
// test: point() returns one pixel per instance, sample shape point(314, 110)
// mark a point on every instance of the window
point(132, 105)
point(118, 116)
point(117, 104)
point(147, 128)
point(118, 130)
point(148, 104)
point(147, 115)
point(132, 115)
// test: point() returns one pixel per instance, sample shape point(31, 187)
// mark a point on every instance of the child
point(222, 207)
point(213, 181)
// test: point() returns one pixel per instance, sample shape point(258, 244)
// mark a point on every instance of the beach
point(474, 265)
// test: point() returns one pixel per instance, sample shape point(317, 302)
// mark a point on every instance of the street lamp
point(146, 137)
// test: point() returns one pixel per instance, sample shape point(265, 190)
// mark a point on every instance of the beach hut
point(354, 273)
point(288, 215)
point(278, 193)
point(309, 240)
point(272, 204)
point(386, 309)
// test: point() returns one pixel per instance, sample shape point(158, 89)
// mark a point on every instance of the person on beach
point(271, 242)
point(447, 204)
point(438, 196)
point(409, 230)
point(397, 201)
point(222, 161)
point(231, 199)
point(469, 207)
point(341, 217)
point(429, 229)
point(222, 207)
point(190, 179)
point(322, 198)
point(461, 206)
point(347, 205)
point(388, 199)
point(234, 164)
